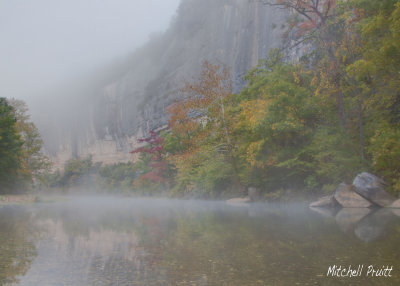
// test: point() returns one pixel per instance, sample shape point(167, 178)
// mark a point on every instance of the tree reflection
point(192, 244)
point(17, 248)
point(273, 248)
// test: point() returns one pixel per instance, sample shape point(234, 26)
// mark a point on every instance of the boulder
point(373, 189)
point(239, 201)
point(395, 204)
point(253, 193)
point(327, 201)
point(347, 198)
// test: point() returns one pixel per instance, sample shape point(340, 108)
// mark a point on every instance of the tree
point(276, 120)
point(203, 105)
point(376, 74)
point(157, 164)
point(310, 19)
point(355, 60)
point(34, 163)
point(10, 146)
point(204, 154)
point(316, 22)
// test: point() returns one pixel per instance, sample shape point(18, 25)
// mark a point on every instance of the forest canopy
point(305, 125)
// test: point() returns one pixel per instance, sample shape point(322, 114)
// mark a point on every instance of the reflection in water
point(374, 225)
point(160, 242)
point(367, 224)
point(347, 218)
point(17, 249)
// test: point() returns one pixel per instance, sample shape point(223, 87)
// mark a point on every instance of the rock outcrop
point(395, 204)
point(327, 201)
point(240, 202)
point(373, 189)
point(366, 191)
point(347, 198)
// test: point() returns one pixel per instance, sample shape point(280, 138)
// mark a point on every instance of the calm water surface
point(163, 242)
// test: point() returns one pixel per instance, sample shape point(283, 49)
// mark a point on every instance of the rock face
point(347, 198)
point(132, 101)
point(372, 188)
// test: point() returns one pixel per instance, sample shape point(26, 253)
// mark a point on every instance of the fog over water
point(125, 241)
point(47, 42)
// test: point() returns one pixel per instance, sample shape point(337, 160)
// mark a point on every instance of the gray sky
point(43, 42)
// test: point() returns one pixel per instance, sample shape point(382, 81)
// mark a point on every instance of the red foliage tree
point(155, 147)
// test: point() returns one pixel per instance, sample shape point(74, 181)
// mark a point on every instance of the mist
point(46, 43)
point(97, 75)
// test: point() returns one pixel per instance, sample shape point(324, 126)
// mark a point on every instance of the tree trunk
point(361, 129)
point(341, 109)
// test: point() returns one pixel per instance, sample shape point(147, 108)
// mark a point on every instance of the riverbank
point(27, 199)
point(18, 199)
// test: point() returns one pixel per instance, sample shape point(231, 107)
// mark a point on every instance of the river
point(125, 241)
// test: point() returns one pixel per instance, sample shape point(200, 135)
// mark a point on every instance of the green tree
point(10, 146)
point(78, 172)
point(276, 120)
point(118, 177)
point(34, 164)
point(376, 75)
point(201, 134)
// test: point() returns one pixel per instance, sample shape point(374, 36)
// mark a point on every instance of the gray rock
point(327, 201)
point(347, 198)
point(395, 207)
point(373, 189)
point(395, 204)
point(239, 202)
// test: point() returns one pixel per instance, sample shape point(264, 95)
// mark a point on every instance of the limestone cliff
point(236, 33)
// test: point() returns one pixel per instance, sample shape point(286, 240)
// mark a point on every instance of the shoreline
point(18, 199)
